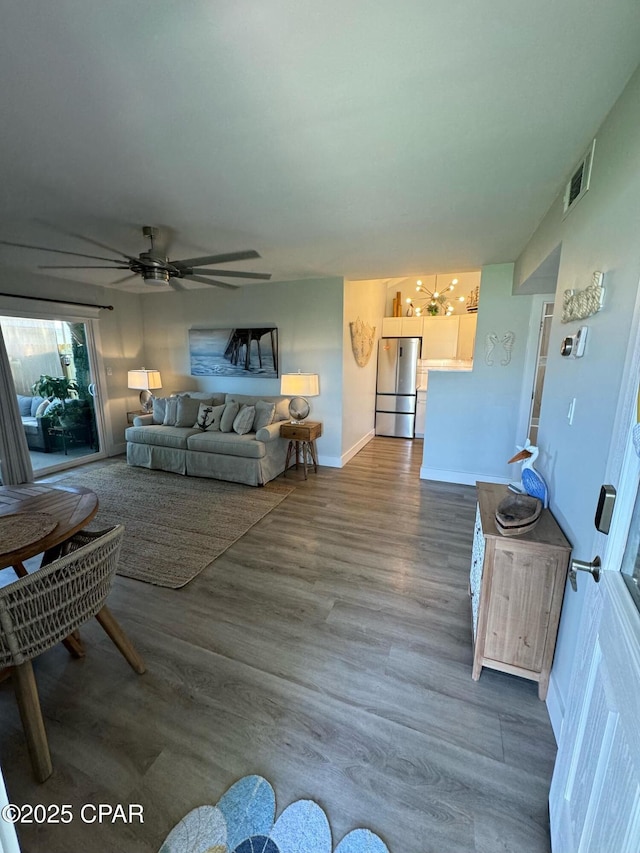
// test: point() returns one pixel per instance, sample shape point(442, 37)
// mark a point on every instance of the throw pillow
point(171, 411)
point(159, 409)
point(243, 422)
point(187, 411)
point(264, 414)
point(42, 408)
point(24, 404)
point(209, 417)
point(36, 402)
point(229, 416)
point(282, 411)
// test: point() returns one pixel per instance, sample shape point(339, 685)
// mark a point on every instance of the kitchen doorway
point(51, 363)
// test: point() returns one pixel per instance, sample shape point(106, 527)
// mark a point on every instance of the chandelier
point(433, 302)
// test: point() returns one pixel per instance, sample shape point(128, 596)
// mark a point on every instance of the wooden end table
point(302, 440)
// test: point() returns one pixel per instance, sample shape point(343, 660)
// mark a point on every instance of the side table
point(302, 440)
point(132, 415)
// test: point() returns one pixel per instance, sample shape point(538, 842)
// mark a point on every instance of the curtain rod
point(60, 301)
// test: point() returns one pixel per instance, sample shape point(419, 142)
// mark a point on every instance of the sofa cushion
point(24, 404)
point(42, 408)
point(209, 417)
point(162, 436)
point(36, 402)
point(31, 426)
point(187, 411)
point(243, 422)
point(159, 409)
point(282, 411)
point(227, 443)
point(170, 411)
point(265, 411)
point(231, 409)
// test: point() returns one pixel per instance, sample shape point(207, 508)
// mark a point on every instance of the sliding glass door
point(51, 364)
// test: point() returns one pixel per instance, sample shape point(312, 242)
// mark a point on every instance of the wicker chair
point(47, 607)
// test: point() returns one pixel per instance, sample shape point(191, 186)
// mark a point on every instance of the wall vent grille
point(578, 183)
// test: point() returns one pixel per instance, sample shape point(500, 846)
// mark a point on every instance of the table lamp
point(299, 386)
point(147, 381)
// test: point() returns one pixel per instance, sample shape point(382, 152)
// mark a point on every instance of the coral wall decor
point(580, 304)
point(362, 338)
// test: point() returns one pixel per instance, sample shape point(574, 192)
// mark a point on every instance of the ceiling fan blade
point(216, 259)
point(126, 278)
point(58, 251)
point(263, 276)
point(78, 267)
point(88, 240)
point(212, 282)
point(175, 284)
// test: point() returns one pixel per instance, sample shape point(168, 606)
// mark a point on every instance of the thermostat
point(573, 345)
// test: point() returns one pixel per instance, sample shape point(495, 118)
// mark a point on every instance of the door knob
point(581, 566)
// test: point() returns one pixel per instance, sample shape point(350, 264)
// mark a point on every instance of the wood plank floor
point(329, 650)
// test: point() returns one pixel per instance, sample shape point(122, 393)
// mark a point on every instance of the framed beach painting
point(234, 352)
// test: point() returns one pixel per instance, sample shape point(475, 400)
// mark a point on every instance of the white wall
point(473, 418)
point(309, 318)
point(601, 233)
point(119, 335)
point(366, 300)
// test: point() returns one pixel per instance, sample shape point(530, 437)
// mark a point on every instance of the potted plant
point(56, 388)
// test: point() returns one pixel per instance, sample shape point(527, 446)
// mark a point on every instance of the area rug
point(243, 821)
point(175, 526)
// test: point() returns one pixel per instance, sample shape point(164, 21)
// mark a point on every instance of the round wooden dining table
point(69, 507)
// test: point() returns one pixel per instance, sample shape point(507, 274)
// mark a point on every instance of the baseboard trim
point(555, 708)
point(357, 447)
point(330, 461)
point(464, 478)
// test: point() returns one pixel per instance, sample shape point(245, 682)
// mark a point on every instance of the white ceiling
point(339, 137)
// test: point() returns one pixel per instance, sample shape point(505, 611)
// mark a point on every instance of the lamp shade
point(299, 384)
point(144, 380)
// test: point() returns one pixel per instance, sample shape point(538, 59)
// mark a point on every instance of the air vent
point(579, 181)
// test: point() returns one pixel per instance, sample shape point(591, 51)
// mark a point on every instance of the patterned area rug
point(175, 526)
point(243, 821)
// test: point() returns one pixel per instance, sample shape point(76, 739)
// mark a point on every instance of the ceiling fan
point(153, 266)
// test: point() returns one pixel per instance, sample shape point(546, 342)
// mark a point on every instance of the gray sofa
point(253, 458)
point(36, 429)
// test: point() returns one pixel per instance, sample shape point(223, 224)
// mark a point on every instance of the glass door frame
point(92, 335)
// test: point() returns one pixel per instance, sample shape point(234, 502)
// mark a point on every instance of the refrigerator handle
point(400, 352)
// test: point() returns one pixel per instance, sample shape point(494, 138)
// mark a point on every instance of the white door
point(594, 801)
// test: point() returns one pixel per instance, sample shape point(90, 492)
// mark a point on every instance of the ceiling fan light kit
point(154, 268)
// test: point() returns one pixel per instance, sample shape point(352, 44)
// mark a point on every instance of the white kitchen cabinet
point(402, 327)
point(421, 413)
point(440, 337)
point(466, 335)
point(391, 327)
point(412, 327)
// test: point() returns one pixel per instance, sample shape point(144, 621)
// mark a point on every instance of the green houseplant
point(58, 388)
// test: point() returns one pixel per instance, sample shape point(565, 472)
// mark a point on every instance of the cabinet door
point(412, 327)
point(440, 337)
point(522, 586)
point(391, 327)
point(466, 335)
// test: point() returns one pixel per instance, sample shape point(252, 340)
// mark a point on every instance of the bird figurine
point(532, 482)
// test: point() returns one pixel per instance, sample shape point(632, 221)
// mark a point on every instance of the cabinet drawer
point(302, 432)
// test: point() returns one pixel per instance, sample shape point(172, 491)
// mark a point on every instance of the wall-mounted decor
point(234, 352)
point(492, 340)
point(580, 304)
point(362, 338)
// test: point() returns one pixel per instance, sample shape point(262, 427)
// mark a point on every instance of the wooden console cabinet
point(516, 587)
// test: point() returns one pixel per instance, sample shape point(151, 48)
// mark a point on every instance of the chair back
point(40, 610)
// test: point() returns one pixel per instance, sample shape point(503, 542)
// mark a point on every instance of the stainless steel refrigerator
point(396, 386)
